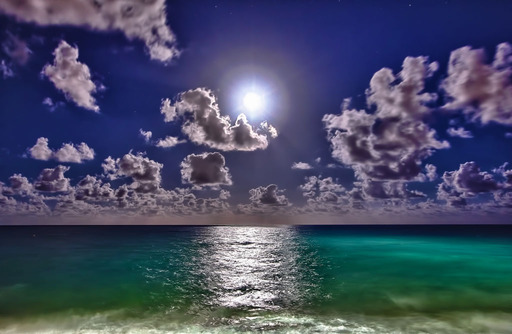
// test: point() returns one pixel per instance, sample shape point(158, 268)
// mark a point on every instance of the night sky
point(311, 112)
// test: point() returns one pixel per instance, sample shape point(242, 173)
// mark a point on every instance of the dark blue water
point(222, 279)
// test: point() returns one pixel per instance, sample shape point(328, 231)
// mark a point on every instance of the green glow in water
point(222, 279)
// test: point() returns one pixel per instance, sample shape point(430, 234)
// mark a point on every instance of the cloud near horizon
point(207, 169)
point(388, 144)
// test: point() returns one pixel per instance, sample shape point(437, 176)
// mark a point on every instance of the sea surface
point(236, 279)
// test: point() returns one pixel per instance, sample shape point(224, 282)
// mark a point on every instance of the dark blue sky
point(306, 57)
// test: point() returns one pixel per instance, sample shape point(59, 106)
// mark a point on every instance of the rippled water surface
point(227, 279)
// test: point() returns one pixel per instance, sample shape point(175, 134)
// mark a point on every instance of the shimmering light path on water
point(346, 279)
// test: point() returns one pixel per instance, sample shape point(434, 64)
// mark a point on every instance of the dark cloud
point(482, 91)
point(205, 125)
point(392, 142)
point(67, 153)
point(140, 19)
point(72, 77)
point(53, 180)
point(145, 173)
point(207, 169)
point(270, 195)
point(465, 182)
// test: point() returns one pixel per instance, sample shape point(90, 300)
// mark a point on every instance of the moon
point(253, 102)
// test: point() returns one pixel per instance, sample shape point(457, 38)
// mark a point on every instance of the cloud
point(169, 141)
point(52, 106)
point(146, 135)
point(482, 91)
point(302, 165)
point(17, 52)
point(465, 182)
point(372, 189)
point(40, 150)
point(270, 195)
point(267, 128)
point(137, 19)
point(314, 185)
point(168, 110)
point(78, 154)
point(207, 169)
point(324, 195)
point(145, 173)
point(67, 153)
point(224, 194)
point(71, 77)
point(16, 49)
point(53, 180)
point(391, 143)
point(204, 124)
point(431, 172)
point(459, 132)
point(6, 70)
point(93, 189)
point(19, 185)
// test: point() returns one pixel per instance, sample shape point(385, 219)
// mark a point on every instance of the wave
point(116, 322)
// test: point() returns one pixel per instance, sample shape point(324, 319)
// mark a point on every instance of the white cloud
point(53, 180)
point(482, 91)
point(146, 135)
point(137, 19)
point(72, 77)
point(40, 150)
point(72, 153)
point(459, 132)
point(169, 141)
point(207, 169)
point(431, 172)
point(67, 153)
point(301, 165)
point(168, 110)
point(205, 125)
point(268, 128)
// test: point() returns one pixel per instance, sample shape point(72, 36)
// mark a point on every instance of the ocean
point(241, 279)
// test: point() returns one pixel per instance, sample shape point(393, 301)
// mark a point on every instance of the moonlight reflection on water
point(255, 268)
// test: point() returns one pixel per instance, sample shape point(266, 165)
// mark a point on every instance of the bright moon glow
point(253, 102)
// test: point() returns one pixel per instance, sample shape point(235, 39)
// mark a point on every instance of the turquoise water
point(227, 279)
